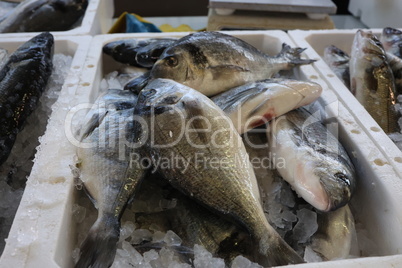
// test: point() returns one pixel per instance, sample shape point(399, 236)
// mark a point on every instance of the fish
point(316, 165)
point(108, 171)
point(44, 15)
point(137, 84)
point(3, 57)
point(256, 103)
point(229, 189)
point(140, 53)
point(213, 62)
point(395, 64)
point(391, 40)
point(23, 79)
point(372, 81)
point(338, 61)
point(336, 231)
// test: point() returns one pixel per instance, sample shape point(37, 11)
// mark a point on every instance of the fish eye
point(343, 178)
point(172, 61)
point(149, 92)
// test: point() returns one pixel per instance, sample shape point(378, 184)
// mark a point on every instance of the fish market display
point(23, 79)
point(338, 61)
point(212, 62)
point(43, 15)
point(233, 191)
point(391, 39)
point(142, 53)
point(108, 175)
point(372, 81)
point(256, 103)
point(317, 166)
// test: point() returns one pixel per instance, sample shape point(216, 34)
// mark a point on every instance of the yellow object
point(181, 28)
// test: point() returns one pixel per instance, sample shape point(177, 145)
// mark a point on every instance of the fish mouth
point(338, 189)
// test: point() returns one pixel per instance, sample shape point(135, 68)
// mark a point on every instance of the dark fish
point(222, 179)
point(140, 53)
point(213, 62)
point(137, 84)
point(23, 79)
point(44, 15)
point(109, 175)
point(391, 40)
point(338, 61)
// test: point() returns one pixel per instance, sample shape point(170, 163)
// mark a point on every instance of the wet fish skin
point(213, 62)
point(137, 84)
point(395, 64)
point(317, 166)
point(108, 176)
point(255, 103)
point(372, 81)
point(391, 40)
point(333, 239)
point(232, 191)
point(44, 15)
point(23, 79)
point(149, 54)
point(338, 61)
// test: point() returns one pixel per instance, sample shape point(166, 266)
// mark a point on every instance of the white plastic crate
point(45, 214)
point(98, 19)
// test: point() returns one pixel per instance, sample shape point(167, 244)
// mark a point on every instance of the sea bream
point(213, 62)
point(23, 79)
point(372, 81)
point(43, 15)
point(338, 61)
point(255, 103)
point(391, 40)
point(108, 175)
point(215, 169)
point(316, 164)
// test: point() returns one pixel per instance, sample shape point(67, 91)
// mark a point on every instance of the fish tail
point(292, 56)
point(99, 247)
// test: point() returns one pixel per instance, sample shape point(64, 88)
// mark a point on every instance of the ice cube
point(172, 239)
point(242, 262)
point(306, 225)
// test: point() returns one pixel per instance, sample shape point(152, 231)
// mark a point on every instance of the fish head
point(335, 55)
point(390, 36)
point(367, 43)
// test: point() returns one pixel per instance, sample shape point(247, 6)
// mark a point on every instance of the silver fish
point(43, 15)
point(316, 164)
point(395, 64)
point(336, 230)
point(372, 81)
point(213, 62)
point(108, 175)
point(3, 57)
point(23, 79)
point(391, 40)
point(256, 103)
point(215, 169)
point(338, 61)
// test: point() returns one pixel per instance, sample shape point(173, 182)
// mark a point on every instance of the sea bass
point(23, 79)
point(391, 40)
point(338, 61)
point(255, 103)
point(214, 169)
point(317, 166)
point(43, 15)
point(395, 64)
point(213, 62)
point(372, 81)
point(142, 53)
point(109, 177)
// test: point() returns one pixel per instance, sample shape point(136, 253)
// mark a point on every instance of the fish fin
point(292, 56)
point(92, 124)
point(99, 247)
point(137, 84)
point(195, 113)
point(220, 71)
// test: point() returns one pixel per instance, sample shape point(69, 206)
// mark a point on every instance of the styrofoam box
point(48, 224)
point(43, 216)
point(98, 19)
point(315, 42)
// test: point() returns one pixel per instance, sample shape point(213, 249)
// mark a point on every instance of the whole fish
point(109, 176)
point(372, 81)
point(316, 165)
point(213, 62)
point(142, 53)
point(335, 233)
point(395, 64)
point(23, 78)
point(43, 15)
point(214, 169)
point(391, 40)
point(255, 103)
point(338, 61)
